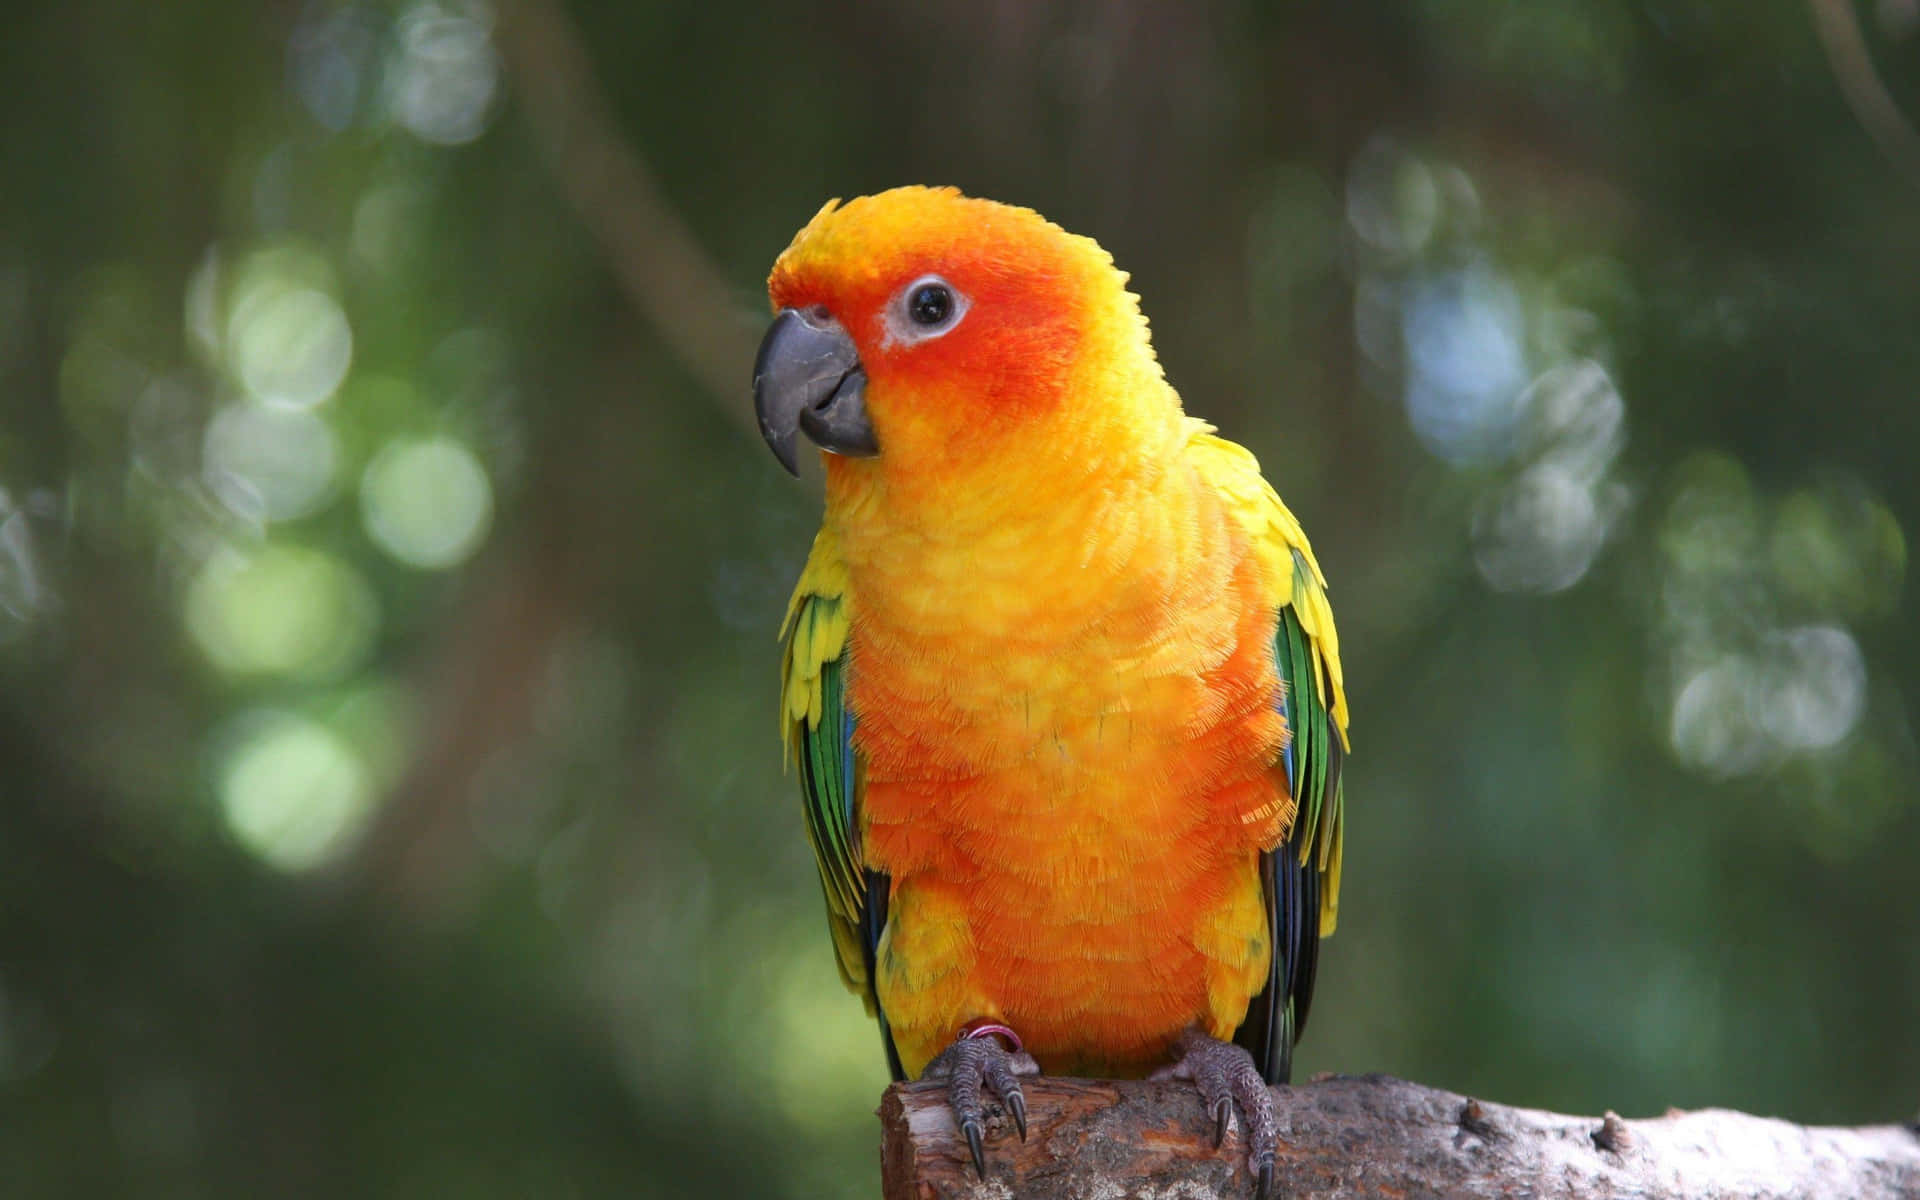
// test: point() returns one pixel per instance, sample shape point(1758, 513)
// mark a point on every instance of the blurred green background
point(389, 574)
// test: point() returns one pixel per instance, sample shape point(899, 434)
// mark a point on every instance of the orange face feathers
point(1027, 307)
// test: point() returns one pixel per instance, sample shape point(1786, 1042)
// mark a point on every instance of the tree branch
point(1866, 93)
point(1376, 1136)
point(658, 262)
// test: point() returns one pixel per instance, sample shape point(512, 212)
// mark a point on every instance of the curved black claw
point(1227, 1079)
point(971, 1128)
point(1017, 1105)
point(974, 1064)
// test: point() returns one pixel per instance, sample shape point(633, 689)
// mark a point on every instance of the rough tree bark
point(1376, 1136)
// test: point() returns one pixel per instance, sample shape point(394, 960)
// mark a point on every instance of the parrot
point(1060, 673)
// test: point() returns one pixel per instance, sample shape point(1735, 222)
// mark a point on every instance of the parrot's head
point(931, 328)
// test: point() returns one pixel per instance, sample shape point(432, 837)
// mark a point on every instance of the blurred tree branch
point(480, 692)
point(657, 261)
point(1377, 1136)
point(1846, 46)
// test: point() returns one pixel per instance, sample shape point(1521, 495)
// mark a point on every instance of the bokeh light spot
point(329, 56)
point(1713, 727)
point(427, 503)
point(285, 610)
point(446, 76)
point(1466, 366)
point(290, 347)
point(1821, 689)
point(292, 791)
point(1393, 200)
point(1743, 713)
point(1713, 523)
point(23, 589)
point(1541, 532)
point(1838, 550)
point(286, 457)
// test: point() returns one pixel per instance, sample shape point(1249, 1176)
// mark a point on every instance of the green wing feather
point(1302, 876)
point(812, 719)
point(818, 728)
point(1320, 736)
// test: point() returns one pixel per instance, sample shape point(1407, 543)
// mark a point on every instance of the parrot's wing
point(1301, 877)
point(818, 728)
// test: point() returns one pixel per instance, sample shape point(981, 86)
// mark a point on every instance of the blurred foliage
point(386, 611)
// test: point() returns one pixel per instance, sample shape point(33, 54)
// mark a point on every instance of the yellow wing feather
point(1277, 536)
point(815, 635)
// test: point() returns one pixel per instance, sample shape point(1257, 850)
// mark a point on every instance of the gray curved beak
point(807, 379)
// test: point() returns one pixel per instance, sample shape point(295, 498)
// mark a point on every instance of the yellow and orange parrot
point(1060, 672)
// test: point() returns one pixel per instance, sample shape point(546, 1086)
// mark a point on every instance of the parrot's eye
point(930, 304)
point(926, 308)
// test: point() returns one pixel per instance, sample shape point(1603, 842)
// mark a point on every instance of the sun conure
point(1060, 673)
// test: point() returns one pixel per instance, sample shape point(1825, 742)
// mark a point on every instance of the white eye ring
point(925, 309)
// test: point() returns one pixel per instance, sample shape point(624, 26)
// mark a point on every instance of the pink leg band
point(985, 1028)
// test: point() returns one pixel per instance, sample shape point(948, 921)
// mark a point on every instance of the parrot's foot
point(1226, 1077)
point(977, 1058)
